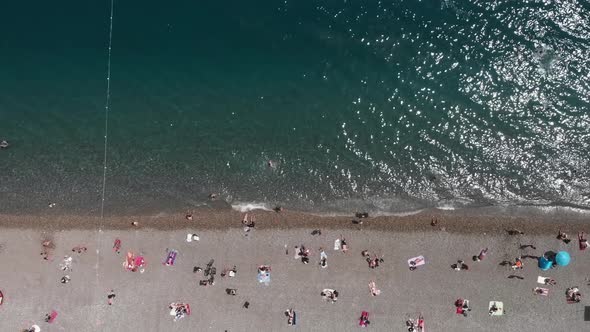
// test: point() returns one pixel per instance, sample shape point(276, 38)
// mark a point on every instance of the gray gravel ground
point(31, 285)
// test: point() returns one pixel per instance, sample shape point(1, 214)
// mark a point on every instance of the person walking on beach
point(110, 297)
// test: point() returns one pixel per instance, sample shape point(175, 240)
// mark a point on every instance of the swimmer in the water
point(4, 144)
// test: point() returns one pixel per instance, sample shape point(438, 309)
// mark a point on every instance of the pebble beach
point(32, 288)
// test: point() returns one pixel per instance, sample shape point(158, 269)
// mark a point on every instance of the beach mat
point(337, 244)
point(587, 313)
point(500, 307)
point(541, 280)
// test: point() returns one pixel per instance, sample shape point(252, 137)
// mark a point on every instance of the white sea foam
point(249, 206)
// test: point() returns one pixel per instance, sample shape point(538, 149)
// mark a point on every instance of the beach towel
point(498, 305)
point(139, 262)
point(129, 262)
point(263, 277)
point(66, 264)
point(52, 316)
point(541, 280)
point(541, 291)
point(364, 320)
point(337, 244)
point(414, 262)
point(192, 237)
point(170, 258)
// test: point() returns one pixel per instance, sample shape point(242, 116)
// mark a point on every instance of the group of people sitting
point(209, 272)
point(302, 253)
point(460, 265)
point(415, 325)
point(373, 261)
point(573, 295)
point(179, 310)
point(462, 307)
point(330, 295)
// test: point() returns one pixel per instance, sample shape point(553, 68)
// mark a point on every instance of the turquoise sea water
point(386, 106)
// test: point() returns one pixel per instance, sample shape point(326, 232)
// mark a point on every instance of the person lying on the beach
point(48, 246)
point(562, 236)
point(79, 249)
point(583, 241)
point(323, 258)
point(364, 320)
point(481, 256)
point(373, 289)
point(117, 246)
point(540, 291)
point(550, 281)
point(290, 313)
point(493, 309)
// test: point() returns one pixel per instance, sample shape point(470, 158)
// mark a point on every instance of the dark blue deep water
point(384, 106)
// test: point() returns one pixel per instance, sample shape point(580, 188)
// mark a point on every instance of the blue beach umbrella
point(562, 258)
point(544, 263)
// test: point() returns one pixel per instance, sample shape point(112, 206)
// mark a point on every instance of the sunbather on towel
point(583, 241)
